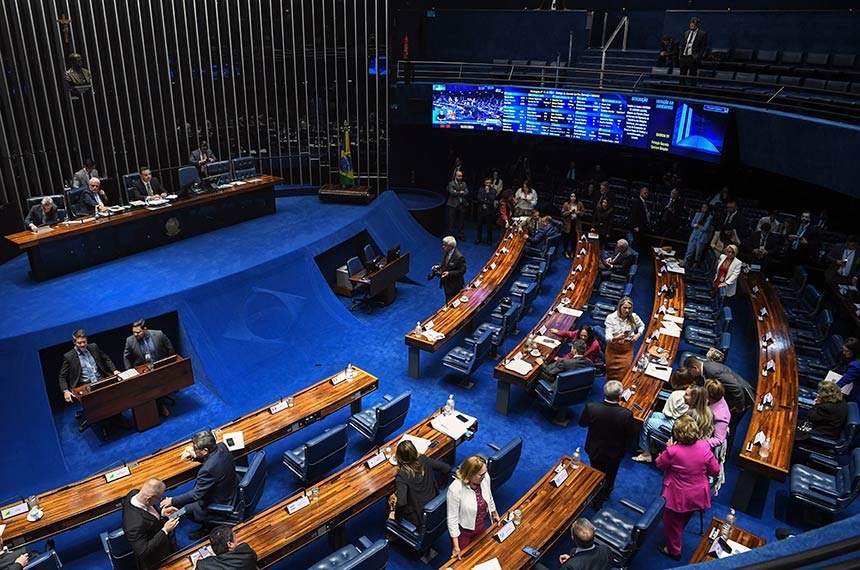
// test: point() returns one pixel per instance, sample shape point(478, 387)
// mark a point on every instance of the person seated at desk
point(850, 369)
point(532, 224)
point(593, 351)
point(216, 480)
point(81, 178)
point(229, 553)
point(18, 558)
point(149, 532)
point(201, 157)
point(44, 213)
point(828, 415)
point(536, 242)
point(573, 361)
point(94, 198)
point(415, 483)
point(843, 263)
point(618, 262)
point(146, 346)
point(147, 186)
point(587, 555)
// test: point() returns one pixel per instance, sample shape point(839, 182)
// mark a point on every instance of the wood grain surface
point(737, 534)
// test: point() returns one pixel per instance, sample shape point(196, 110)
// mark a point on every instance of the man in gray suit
point(201, 157)
point(458, 203)
point(145, 346)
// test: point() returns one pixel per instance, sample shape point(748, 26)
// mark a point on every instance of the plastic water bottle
point(731, 519)
point(576, 459)
point(764, 452)
point(349, 372)
point(531, 343)
point(418, 330)
point(643, 363)
point(449, 405)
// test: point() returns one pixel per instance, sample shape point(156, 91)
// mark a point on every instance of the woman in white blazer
point(470, 503)
point(728, 271)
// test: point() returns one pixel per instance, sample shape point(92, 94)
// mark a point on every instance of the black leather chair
point(571, 387)
point(318, 456)
point(367, 556)
point(251, 482)
point(382, 419)
point(624, 536)
point(501, 464)
point(118, 550)
point(824, 485)
point(361, 291)
point(73, 200)
point(420, 540)
point(128, 181)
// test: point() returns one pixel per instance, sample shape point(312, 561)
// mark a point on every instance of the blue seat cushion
point(367, 418)
point(613, 529)
point(802, 477)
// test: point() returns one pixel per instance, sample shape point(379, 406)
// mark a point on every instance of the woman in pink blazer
point(686, 464)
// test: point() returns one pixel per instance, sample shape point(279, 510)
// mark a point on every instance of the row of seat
point(804, 64)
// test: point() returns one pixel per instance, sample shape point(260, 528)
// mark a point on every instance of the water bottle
point(531, 343)
point(576, 459)
point(764, 452)
point(349, 372)
point(731, 519)
point(642, 364)
point(449, 405)
point(418, 330)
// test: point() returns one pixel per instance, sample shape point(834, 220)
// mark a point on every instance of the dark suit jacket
point(7, 559)
point(70, 371)
point(638, 215)
point(195, 157)
point(739, 394)
point(623, 263)
point(132, 356)
point(216, 480)
point(38, 217)
point(835, 255)
point(827, 420)
point(456, 269)
point(597, 558)
point(144, 534)
point(609, 428)
point(89, 201)
point(242, 557)
point(700, 43)
point(138, 191)
point(771, 242)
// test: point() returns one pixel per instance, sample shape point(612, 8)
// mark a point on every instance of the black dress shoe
point(665, 552)
point(103, 433)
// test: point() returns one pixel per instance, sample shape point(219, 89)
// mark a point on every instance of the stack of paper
point(547, 341)
point(669, 328)
point(675, 268)
point(564, 310)
point(659, 371)
point(421, 444)
point(521, 367)
point(433, 336)
point(452, 425)
point(488, 565)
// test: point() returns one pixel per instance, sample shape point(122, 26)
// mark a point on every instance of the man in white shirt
point(843, 262)
point(693, 46)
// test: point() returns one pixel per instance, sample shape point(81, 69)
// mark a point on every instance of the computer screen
point(393, 253)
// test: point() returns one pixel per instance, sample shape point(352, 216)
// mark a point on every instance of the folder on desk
point(659, 371)
point(421, 444)
point(519, 366)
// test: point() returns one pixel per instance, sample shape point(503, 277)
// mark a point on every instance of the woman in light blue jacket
point(700, 236)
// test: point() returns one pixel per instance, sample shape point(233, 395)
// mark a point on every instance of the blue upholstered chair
point(420, 539)
point(708, 336)
point(502, 463)
point(361, 291)
point(824, 485)
point(524, 292)
point(369, 253)
point(624, 536)
point(118, 550)
point(804, 311)
point(503, 321)
point(813, 368)
point(188, 177)
point(379, 421)
point(366, 556)
point(318, 456)
point(706, 312)
point(810, 339)
point(835, 447)
point(44, 561)
point(250, 489)
point(571, 387)
point(465, 359)
point(73, 199)
point(244, 167)
point(128, 181)
point(609, 290)
point(789, 289)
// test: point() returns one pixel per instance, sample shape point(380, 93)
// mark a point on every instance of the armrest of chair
point(104, 538)
point(822, 441)
point(220, 508)
point(241, 470)
point(823, 491)
point(831, 465)
point(633, 506)
point(388, 397)
point(406, 526)
point(494, 446)
point(365, 542)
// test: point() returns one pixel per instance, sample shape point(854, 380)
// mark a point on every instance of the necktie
point(148, 189)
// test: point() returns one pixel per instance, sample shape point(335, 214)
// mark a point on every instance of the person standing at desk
point(216, 480)
point(149, 533)
point(145, 346)
point(94, 198)
point(42, 214)
point(201, 157)
point(81, 179)
point(452, 269)
point(147, 186)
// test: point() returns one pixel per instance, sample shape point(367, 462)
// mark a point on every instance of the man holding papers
point(740, 396)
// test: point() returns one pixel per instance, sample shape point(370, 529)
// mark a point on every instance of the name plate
point(456, 304)
point(282, 405)
point(763, 311)
point(13, 511)
point(771, 365)
point(755, 289)
point(505, 531)
point(560, 478)
point(117, 474)
point(625, 395)
point(582, 251)
point(571, 286)
point(577, 268)
point(298, 504)
point(375, 460)
point(338, 379)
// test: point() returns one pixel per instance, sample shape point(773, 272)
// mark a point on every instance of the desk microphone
point(330, 364)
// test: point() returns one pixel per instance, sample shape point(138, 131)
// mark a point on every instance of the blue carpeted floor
point(260, 322)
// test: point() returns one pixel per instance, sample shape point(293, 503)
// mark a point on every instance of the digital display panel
point(682, 128)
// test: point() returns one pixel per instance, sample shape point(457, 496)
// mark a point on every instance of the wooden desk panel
point(547, 513)
point(384, 277)
point(449, 320)
point(91, 498)
point(738, 535)
point(274, 534)
point(648, 387)
point(582, 282)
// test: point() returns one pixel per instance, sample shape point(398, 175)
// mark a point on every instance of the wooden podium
point(344, 194)
point(382, 282)
point(112, 396)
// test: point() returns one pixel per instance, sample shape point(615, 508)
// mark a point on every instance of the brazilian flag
point(346, 174)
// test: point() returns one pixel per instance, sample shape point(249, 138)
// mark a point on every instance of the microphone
point(330, 364)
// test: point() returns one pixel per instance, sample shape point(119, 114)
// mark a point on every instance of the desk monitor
point(164, 362)
point(393, 253)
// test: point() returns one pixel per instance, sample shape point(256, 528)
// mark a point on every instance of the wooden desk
point(73, 246)
point(780, 422)
point(576, 291)
point(449, 320)
point(383, 281)
point(647, 387)
point(737, 534)
point(91, 498)
point(345, 194)
point(104, 399)
point(275, 534)
point(547, 513)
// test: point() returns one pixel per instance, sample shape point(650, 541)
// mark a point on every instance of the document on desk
point(547, 341)
point(674, 319)
point(433, 336)
point(130, 373)
point(671, 331)
point(452, 425)
point(659, 371)
point(568, 311)
point(421, 444)
point(521, 367)
point(488, 565)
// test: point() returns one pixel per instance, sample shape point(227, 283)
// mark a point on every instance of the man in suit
point(843, 262)
point(201, 157)
point(740, 396)
point(693, 46)
point(670, 217)
point(573, 361)
point(149, 533)
point(619, 262)
point(802, 239)
point(81, 178)
point(94, 198)
point(216, 480)
point(536, 242)
point(41, 214)
point(145, 346)
point(609, 427)
point(640, 220)
point(458, 202)
point(17, 558)
point(147, 186)
point(452, 269)
point(229, 553)
point(587, 555)
point(763, 244)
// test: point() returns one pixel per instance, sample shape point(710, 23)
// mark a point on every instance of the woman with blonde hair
point(676, 406)
point(470, 503)
point(415, 483)
point(623, 328)
point(828, 415)
point(728, 271)
point(697, 399)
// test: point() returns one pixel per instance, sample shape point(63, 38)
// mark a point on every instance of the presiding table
point(81, 243)
point(454, 316)
point(382, 282)
point(547, 513)
point(738, 535)
point(86, 500)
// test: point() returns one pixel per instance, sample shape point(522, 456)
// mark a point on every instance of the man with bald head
point(149, 532)
point(587, 554)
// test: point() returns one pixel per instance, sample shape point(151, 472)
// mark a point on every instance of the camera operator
point(452, 269)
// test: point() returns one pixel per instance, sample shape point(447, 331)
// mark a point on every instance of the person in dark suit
point(763, 244)
point(740, 396)
point(201, 157)
point(147, 186)
point(93, 198)
point(827, 417)
point(536, 242)
point(458, 203)
point(573, 361)
point(229, 553)
point(587, 555)
point(671, 214)
point(601, 221)
point(692, 48)
point(149, 532)
point(843, 262)
point(619, 262)
point(802, 239)
point(146, 346)
point(640, 220)
point(216, 480)
point(452, 269)
point(41, 214)
point(83, 364)
point(609, 427)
